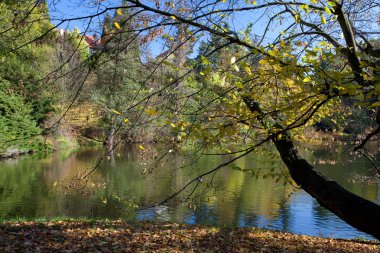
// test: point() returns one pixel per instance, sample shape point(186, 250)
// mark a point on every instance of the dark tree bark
point(355, 210)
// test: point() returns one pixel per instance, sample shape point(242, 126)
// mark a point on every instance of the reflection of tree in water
point(23, 191)
point(240, 199)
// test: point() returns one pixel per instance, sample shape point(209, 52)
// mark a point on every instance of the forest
point(230, 113)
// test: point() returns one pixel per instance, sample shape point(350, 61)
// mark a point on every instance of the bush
point(18, 130)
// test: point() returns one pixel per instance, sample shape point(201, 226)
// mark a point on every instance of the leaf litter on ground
point(118, 236)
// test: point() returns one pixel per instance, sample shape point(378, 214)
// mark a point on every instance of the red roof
point(92, 41)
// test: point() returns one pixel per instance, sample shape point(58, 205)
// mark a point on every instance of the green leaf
point(223, 81)
point(239, 85)
point(331, 3)
point(205, 60)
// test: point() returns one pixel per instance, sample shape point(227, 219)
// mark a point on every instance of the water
point(35, 186)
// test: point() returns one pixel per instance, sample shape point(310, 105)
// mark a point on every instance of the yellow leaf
point(173, 17)
point(323, 19)
point(55, 183)
point(277, 67)
point(297, 18)
point(327, 10)
point(117, 25)
point(271, 53)
point(289, 82)
point(375, 104)
point(119, 12)
point(151, 112)
point(233, 60)
point(306, 79)
point(248, 70)
point(142, 148)
point(116, 112)
point(262, 62)
point(126, 120)
point(236, 68)
point(172, 124)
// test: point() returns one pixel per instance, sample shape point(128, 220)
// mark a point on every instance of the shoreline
point(72, 235)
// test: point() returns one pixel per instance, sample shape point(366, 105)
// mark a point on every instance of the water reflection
point(28, 188)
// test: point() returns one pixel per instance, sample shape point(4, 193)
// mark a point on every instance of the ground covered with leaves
point(118, 236)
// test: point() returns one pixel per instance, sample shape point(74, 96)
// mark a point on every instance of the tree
point(290, 66)
point(16, 122)
point(117, 72)
point(25, 99)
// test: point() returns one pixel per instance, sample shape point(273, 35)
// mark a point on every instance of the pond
point(35, 186)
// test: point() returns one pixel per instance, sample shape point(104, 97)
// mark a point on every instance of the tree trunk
point(355, 210)
point(109, 153)
point(109, 141)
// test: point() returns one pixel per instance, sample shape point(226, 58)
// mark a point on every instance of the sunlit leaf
point(248, 70)
point(239, 85)
point(205, 60)
point(323, 19)
point(223, 81)
point(151, 112)
point(327, 10)
point(306, 79)
point(116, 112)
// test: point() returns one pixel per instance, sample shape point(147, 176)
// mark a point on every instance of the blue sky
point(64, 9)
point(71, 9)
point(60, 9)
